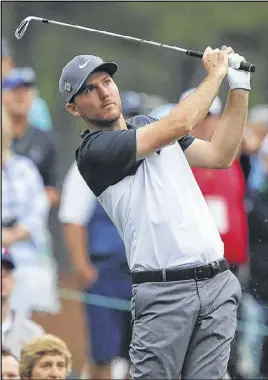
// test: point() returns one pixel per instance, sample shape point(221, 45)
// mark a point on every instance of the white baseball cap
point(215, 108)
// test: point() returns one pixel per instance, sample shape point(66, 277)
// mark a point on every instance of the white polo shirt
point(155, 203)
point(77, 200)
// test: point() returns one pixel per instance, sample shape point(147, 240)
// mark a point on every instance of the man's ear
point(72, 108)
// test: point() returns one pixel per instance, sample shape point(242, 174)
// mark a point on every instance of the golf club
point(21, 29)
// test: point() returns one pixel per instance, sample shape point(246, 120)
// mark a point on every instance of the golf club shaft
point(24, 24)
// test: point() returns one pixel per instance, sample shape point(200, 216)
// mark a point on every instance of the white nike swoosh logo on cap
point(84, 64)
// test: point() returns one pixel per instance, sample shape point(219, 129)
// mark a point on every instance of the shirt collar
point(87, 132)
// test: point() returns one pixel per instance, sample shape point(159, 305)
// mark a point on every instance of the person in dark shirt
point(29, 141)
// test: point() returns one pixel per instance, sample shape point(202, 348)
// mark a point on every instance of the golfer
point(184, 297)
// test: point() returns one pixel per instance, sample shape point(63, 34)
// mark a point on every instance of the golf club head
point(21, 29)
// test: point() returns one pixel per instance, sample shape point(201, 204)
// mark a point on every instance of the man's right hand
point(216, 61)
point(86, 275)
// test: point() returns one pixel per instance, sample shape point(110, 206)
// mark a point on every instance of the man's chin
point(107, 122)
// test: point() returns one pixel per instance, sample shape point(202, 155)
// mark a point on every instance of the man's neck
point(118, 124)
point(5, 310)
point(19, 126)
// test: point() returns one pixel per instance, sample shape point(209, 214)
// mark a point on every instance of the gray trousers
point(183, 328)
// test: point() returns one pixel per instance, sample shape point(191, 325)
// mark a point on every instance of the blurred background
point(148, 77)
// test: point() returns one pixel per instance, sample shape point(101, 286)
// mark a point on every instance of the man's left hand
point(237, 79)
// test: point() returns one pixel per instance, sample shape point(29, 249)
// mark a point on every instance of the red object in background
point(224, 191)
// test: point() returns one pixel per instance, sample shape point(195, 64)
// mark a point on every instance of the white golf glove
point(237, 79)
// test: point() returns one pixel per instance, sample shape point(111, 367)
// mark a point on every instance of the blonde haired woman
point(45, 357)
point(25, 210)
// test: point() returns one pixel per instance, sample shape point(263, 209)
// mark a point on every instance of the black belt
point(178, 274)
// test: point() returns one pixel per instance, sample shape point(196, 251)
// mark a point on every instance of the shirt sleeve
point(77, 200)
point(106, 157)
point(186, 141)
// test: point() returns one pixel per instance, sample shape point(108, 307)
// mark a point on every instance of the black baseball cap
point(76, 71)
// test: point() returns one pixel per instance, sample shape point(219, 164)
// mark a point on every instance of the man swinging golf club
point(184, 297)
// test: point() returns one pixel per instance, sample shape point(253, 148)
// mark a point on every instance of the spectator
point(24, 230)
point(45, 357)
point(98, 256)
point(258, 128)
point(39, 115)
point(10, 366)
point(252, 361)
point(28, 141)
point(16, 329)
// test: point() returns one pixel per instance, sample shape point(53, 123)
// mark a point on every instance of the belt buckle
point(201, 276)
point(215, 266)
point(196, 277)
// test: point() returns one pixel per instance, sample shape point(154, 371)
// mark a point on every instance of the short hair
point(38, 347)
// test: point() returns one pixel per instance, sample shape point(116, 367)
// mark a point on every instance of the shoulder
point(40, 103)
point(23, 163)
point(72, 173)
point(106, 157)
point(74, 182)
point(44, 137)
point(97, 147)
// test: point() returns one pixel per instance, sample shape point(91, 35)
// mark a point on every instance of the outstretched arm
point(222, 149)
